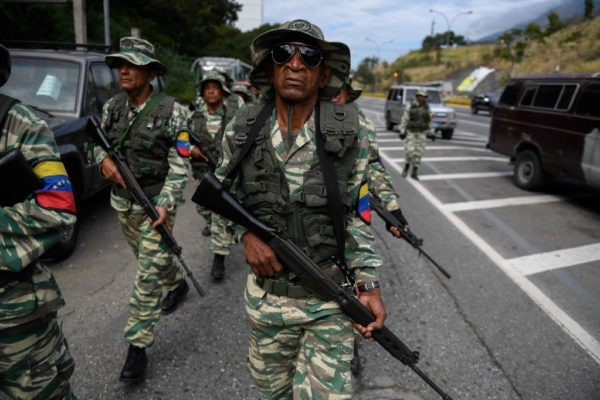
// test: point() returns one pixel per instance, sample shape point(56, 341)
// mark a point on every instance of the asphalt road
point(494, 331)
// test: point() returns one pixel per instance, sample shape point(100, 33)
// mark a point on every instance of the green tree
point(554, 24)
point(588, 8)
point(533, 32)
point(364, 73)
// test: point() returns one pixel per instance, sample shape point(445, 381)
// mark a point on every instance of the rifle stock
point(212, 195)
point(140, 197)
point(410, 237)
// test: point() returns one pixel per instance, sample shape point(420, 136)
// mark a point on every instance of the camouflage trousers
point(221, 235)
point(206, 214)
point(155, 272)
point(296, 353)
point(36, 364)
point(414, 146)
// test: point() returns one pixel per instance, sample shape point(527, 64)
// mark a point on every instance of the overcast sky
point(405, 23)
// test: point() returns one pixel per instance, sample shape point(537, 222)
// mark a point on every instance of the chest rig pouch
point(145, 144)
point(419, 117)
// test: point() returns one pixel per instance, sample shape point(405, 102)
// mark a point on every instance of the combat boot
point(414, 174)
point(135, 365)
point(206, 231)
point(405, 172)
point(174, 297)
point(218, 267)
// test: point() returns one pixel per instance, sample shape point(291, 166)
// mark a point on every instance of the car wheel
point(389, 125)
point(447, 134)
point(528, 171)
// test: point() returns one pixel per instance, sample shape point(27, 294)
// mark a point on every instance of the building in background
point(251, 15)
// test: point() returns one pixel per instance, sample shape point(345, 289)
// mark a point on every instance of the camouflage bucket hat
point(336, 55)
point(421, 92)
point(137, 51)
point(4, 65)
point(215, 76)
point(353, 93)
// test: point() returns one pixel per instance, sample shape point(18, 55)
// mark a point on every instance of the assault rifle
point(140, 197)
point(407, 235)
point(212, 195)
point(18, 179)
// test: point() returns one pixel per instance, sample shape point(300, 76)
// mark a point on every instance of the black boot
point(355, 366)
point(218, 267)
point(135, 365)
point(405, 172)
point(206, 231)
point(414, 174)
point(174, 297)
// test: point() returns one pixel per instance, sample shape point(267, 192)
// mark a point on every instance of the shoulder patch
point(363, 206)
point(57, 192)
point(183, 143)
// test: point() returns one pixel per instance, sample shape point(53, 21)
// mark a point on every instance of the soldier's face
point(212, 93)
point(421, 99)
point(133, 77)
point(295, 82)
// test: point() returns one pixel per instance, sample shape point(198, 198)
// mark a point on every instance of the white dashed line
point(497, 203)
point(446, 159)
point(394, 148)
point(536, 263)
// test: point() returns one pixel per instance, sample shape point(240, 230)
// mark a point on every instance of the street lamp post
point(378, 47)
point(449, 26)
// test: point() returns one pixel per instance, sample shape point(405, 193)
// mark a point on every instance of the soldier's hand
point(372, 300)
point(196, 153)
point(111, 172)
point(260, 256)
point(163, 218)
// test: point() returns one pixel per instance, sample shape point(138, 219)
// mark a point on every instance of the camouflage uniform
point(169, 148)
point(35, 362)
point(415, 124)
point(301, 346)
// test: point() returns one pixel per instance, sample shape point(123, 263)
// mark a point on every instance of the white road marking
point(561, 318)
point(394, 148)
point(445, 159)
point(466, 121)
point(497, 203)
point(469, 143)
point(536, 263)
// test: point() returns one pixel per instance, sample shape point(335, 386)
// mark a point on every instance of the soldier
point(150, 129)
point(207, 125)
point(301, 345)
point(415, 125)
point(380, 181)
point(35, 362)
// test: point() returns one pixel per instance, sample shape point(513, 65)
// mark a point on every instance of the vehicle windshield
point(47, 84)
point(433, 96)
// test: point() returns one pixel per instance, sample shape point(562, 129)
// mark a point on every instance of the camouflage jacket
point(423, 112)
point(359, 252)
point(171, 194)
point(206, 131)
point(380, 181)
point(29, 228)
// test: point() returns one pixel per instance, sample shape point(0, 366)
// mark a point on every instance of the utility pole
point(79, 20)
point(449, 26)
point(106, 22)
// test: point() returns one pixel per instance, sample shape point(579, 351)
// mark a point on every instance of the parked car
point(550, 127)
point(444, 118)
point(66, 87)
point(484, 102)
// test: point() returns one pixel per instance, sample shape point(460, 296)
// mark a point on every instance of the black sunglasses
point(283, 52)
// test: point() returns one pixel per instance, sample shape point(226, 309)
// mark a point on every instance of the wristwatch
point(367, 286)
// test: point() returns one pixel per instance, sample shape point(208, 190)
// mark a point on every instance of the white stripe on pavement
point(466, 121)
point(536, 263)
point(444, 159)
point(471, 175)
point(395, 148)
point(496, 203)
point(561, 318)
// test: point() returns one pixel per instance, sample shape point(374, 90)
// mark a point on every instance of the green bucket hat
point(336, 55)
point(138, 52)
point(215, 76)
point(4, 65)
point(353, 93)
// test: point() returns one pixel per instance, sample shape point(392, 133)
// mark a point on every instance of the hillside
point(575, 48)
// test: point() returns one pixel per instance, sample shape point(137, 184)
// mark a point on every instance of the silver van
point(444, 118)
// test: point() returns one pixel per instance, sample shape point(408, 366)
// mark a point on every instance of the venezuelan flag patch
point(57, 192)
point(183, 144)
point(363, 206)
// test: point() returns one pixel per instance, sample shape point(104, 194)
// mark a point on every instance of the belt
point(282, 288)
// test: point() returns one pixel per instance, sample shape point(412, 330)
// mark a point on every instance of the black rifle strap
point(334, 199)
point(6, 102)
point(257, 125)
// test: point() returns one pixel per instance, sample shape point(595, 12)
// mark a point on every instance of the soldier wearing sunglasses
point(299, 163)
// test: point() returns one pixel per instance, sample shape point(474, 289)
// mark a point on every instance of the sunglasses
point(283, 52)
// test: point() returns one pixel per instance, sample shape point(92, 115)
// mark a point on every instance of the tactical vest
point(202, 138)
point(146, 145)
point(419, 117)
point(304, 217)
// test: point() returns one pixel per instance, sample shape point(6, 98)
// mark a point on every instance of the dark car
point(66, 87)
point(550, 127)
point(484, 102)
